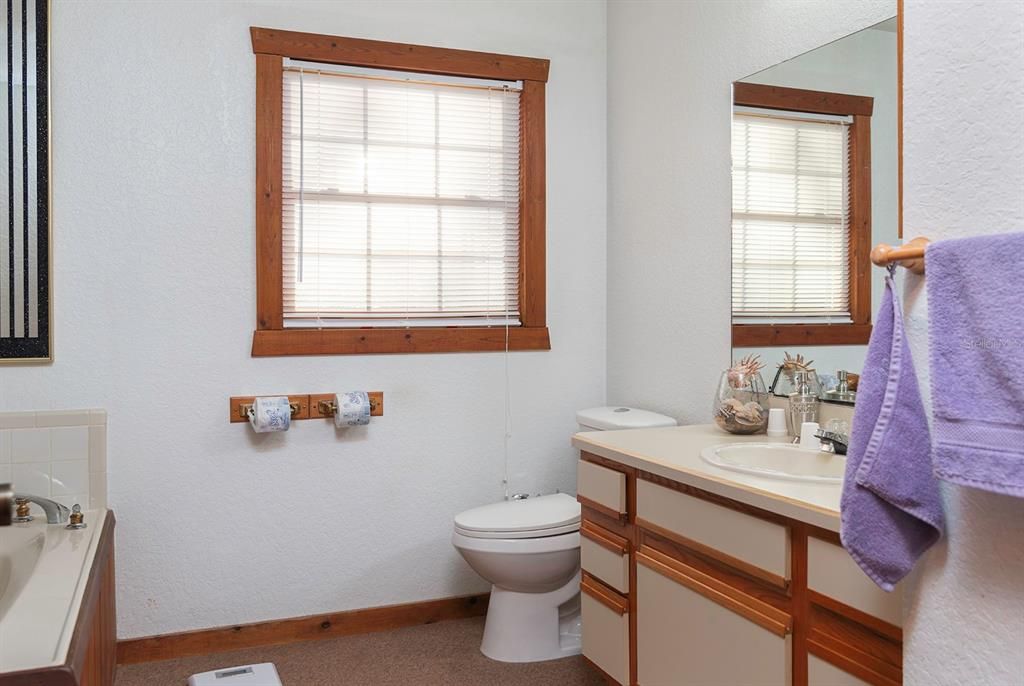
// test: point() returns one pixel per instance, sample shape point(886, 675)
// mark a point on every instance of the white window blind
point(790, 218)
point(400, 200)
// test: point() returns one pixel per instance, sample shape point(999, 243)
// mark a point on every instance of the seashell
point(733, 404)
point(791, 365)
point(750, 412)
point(739, 373)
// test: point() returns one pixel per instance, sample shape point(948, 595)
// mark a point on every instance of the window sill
point(282, 342)
point(767, 335)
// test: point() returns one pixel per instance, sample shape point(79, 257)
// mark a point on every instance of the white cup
point(808, 441)
point(777, 422)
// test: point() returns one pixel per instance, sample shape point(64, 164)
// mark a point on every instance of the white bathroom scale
point(264, 674)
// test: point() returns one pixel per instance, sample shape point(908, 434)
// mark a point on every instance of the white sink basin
point(777, 461)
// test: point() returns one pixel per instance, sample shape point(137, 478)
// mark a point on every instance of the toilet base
point(533, 627)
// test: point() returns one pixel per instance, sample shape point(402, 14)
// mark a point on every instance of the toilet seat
point(540, 517)
point(512, 546)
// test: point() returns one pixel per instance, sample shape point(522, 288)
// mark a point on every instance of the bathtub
point(44, 569)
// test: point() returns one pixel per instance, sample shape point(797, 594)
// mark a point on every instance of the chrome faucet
point(55, 512)
point(833, 441)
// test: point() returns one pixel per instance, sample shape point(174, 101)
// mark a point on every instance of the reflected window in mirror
point(801, 216)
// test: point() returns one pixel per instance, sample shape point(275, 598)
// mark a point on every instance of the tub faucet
point(55, 512)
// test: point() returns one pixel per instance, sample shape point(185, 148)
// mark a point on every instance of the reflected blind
point(790, 218)
point(400, 200)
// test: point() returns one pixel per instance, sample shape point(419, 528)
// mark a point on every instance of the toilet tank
point(613, 418)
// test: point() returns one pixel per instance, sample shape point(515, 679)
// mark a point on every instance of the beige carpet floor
point(443, 653)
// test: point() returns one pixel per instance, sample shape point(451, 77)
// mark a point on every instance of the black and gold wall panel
point(25, 182)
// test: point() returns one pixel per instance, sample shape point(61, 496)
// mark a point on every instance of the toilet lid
point(545, 515)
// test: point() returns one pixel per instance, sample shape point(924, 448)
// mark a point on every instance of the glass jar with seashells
point(741, 403)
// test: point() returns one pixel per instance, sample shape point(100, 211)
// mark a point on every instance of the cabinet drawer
point(605, 555)
point(602, 486)
point(751, 544)
point(686, 637)
point(605, 630)
point(833, 573)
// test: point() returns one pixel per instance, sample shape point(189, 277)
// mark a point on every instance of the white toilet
point(529, 550)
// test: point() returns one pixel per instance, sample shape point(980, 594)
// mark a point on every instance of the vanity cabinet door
point(605, 629)
point(693, 631)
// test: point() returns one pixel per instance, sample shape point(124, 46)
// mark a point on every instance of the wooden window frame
point(859, 108)
point(271, 338)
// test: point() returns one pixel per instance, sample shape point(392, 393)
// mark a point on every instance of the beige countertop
point(674, 453)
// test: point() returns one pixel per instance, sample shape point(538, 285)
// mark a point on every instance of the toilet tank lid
point(531, 514)
point(611, 418)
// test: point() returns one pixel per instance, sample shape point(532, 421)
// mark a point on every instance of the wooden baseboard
point(330, 625)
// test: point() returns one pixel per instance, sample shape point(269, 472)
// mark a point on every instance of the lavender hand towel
point(976, 318)
point(890, 511)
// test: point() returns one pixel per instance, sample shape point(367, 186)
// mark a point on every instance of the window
point(801, 221)
point(400, 198)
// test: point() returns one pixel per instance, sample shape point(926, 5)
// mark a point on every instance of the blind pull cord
point(302, 175)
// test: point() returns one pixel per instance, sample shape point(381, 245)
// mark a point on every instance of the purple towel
point(890, 511)
point(976, 318)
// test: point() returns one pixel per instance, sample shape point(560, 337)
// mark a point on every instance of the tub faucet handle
point(76, 520)
point(21, 513)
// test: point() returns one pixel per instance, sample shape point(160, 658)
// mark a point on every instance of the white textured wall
point(670, 70)
point(154, 258)
point(964, 175)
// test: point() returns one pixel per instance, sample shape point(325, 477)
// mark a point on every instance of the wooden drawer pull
point(757, 611)
point(604, 538)
point(603, 509)
point(610, 599)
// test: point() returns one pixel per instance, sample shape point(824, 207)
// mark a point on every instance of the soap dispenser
point(841, 393)
point(803, 402)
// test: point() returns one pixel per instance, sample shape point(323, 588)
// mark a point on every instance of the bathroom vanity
point(59, 628)
point(693, 574)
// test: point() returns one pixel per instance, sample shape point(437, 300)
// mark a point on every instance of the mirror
point(25, 180)
point(815, 186)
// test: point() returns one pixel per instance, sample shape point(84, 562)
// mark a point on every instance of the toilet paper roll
point(353, 409)
point(272, 413)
